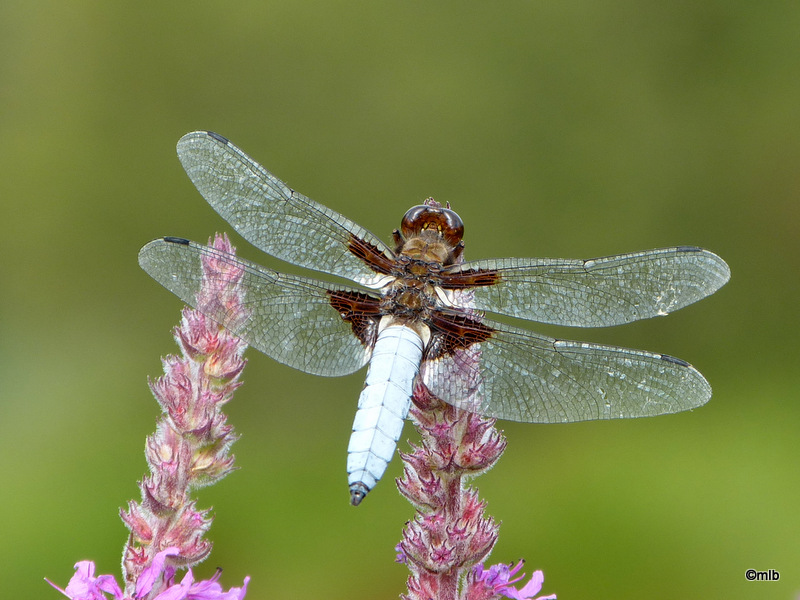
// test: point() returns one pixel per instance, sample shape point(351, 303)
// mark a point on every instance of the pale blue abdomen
point(382, 407)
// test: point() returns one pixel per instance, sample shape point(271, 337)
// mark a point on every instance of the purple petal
point(237, 593)
point(149, 576)
point(85, 586)
point(178, 591)
point(534, 586)
point(208, 589)
point(108, 584)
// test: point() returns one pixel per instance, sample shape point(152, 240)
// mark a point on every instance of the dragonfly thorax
point(409, 299)
point(427, 247)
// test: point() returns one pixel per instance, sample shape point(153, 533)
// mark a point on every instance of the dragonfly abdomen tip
point(357, 493)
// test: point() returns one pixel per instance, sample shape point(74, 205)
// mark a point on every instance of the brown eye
point(444, 221)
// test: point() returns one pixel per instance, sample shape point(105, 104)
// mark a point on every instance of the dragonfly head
point(433, 219)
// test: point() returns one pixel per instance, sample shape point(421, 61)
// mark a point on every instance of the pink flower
point(207, 589)
point(499, 578)
point(85, 586)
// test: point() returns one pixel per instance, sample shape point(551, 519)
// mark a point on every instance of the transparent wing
point(288, 318)
point(521, 376)
point(599, 292)
point(269, 214)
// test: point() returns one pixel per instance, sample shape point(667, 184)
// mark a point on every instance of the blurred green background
point(570, 129)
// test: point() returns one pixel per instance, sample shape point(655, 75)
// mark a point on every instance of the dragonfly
point(418, 312)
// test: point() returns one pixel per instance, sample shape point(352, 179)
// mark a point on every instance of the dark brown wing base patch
point(460, 280)
point(374, 258)
point(362, 311)
point(451, 332)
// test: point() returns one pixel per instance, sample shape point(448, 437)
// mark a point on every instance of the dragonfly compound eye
point(443, 221)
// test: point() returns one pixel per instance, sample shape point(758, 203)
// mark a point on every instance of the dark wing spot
point(218, 137)
point(176, 240)
point(676, 361)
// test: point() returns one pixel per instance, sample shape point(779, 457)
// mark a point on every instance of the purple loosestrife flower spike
point(189, 449)
point(450, 532)
point(448, 539)
point(450, 535)
point(191, 445)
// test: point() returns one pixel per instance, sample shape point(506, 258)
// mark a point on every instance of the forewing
point(288, 318)
point(518, 375)
point(275, 218)
point(592, 293)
